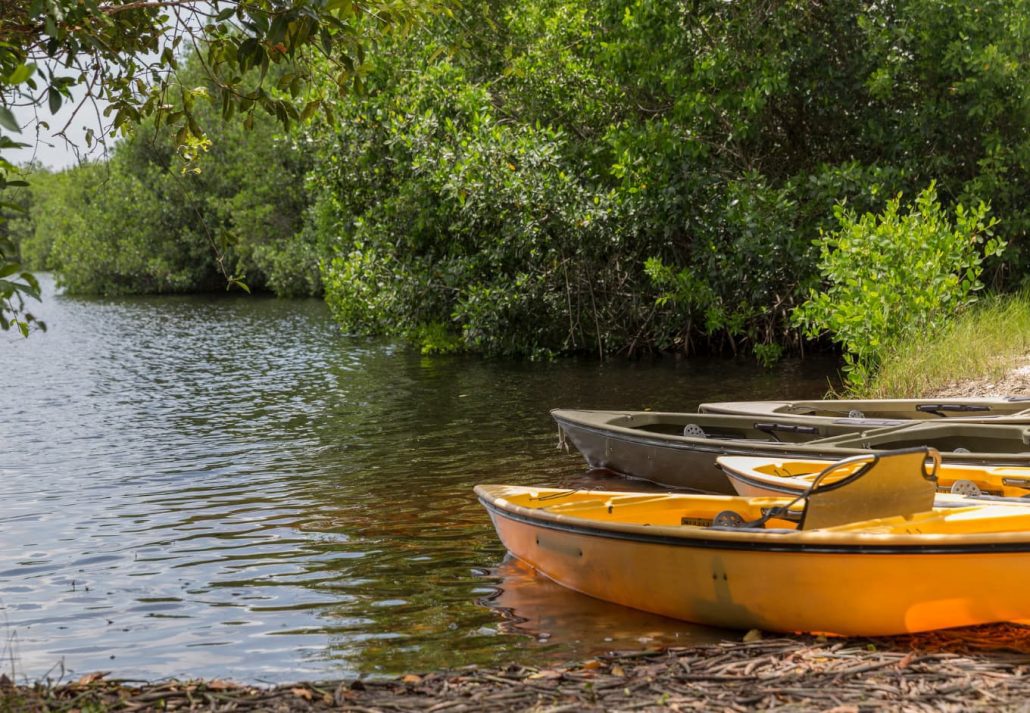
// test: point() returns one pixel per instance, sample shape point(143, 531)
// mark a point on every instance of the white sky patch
point(58, 152)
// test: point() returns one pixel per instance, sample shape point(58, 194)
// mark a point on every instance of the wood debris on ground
point(957, 670)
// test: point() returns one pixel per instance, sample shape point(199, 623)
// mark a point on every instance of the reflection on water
point(580, 626)
point(229, 487)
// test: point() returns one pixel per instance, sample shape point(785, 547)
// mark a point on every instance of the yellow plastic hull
point(797, 582)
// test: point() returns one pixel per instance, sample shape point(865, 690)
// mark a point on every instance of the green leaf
point(20, 74)
point(53, 100)
point(8, 121)
point(309, 109)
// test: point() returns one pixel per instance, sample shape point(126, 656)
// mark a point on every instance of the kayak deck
point(691, 513)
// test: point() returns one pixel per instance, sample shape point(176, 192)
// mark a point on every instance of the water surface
point(229, 487)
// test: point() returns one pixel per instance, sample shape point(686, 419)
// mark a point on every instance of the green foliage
point(558, 175)
point(138, 223)
point(897, 275)
point(438, 211)
point(753, 237)
point(15, 286)
point(436, 338)
point(131, 238)
point(547, 176)
point(127, 53)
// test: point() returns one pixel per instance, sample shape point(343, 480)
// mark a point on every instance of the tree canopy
point(552, 176)
point(124, 55)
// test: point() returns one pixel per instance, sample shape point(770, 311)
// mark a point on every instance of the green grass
point(984, 342)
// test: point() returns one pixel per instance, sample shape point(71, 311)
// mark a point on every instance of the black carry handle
point(939, 409)
point(773, 428)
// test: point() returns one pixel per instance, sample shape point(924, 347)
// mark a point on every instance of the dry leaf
point(217, 684)
point(91, 678)
point(617, 670)
point(547, 673)
point(343, 695)
point(753, 635)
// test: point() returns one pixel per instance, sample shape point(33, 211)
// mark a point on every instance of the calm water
point(231, 488)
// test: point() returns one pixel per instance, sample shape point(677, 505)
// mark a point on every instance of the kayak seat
point(866, 487)
point(886, 484)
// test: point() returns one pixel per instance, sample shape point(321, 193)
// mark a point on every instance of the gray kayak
point(679, 449)
point(1013, 408)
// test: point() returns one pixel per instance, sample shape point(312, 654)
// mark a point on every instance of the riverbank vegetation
point(982, 344)
point(537, 177)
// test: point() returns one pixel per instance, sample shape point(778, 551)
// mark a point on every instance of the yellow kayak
point(779, 477)
point(865, 555)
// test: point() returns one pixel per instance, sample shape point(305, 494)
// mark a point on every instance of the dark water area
point(229, 487)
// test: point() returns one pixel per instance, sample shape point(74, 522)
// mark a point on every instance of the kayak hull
point(781, 586)
point(643, 445)
point(1014, 408)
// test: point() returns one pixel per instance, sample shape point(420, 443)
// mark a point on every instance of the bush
point(543, 176)
point(897, 275)
point(442, 215)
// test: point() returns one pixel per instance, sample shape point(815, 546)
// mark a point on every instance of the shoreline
point(983, 667)
point(1015, 382)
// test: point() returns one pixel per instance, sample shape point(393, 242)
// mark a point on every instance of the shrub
point(897, 275)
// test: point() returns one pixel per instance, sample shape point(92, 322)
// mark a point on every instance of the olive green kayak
point(1013, 408)
point(679, 449)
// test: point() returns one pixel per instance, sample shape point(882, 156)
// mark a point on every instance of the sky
point(53, 151)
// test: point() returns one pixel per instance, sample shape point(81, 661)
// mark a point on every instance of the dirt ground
point(1015, 383)
point(980, 668)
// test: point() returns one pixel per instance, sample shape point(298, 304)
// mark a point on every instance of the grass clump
point(982, 343)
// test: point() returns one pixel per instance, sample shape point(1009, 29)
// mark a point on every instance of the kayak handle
point(939, 409)
point(773, 428)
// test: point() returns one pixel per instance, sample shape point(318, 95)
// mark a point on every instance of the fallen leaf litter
point(957, 670)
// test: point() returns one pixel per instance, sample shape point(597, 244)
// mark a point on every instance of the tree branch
point(146, 5)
